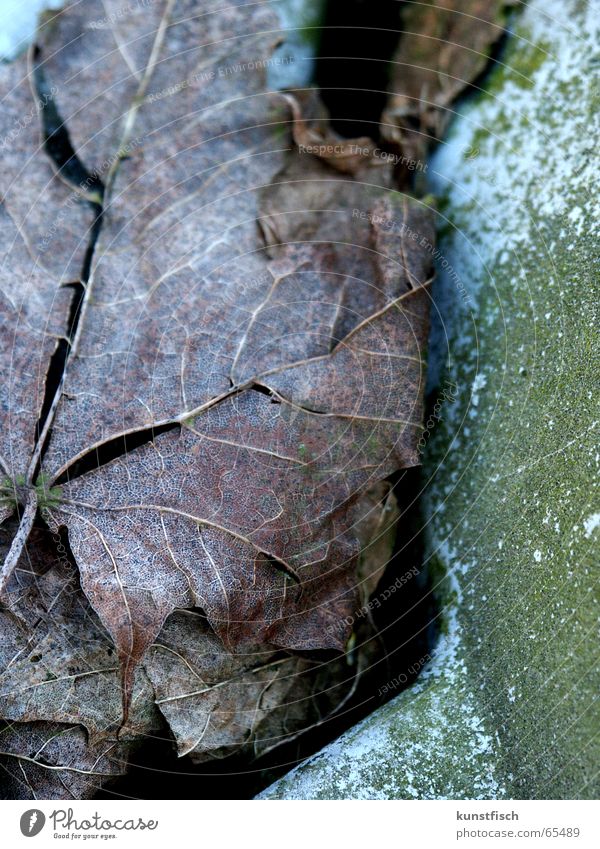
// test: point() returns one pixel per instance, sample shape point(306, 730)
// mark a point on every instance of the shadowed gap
point(58, 147)
point(352, 69)
point(112, 449)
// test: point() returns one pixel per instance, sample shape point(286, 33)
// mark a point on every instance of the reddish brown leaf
point(248, 358)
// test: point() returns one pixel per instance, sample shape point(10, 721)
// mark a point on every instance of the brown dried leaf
point(59, 663)
point(213, 700)
point(43, 760)
point(60, 667)
point(264, 384)
point(313, 134)
point(444, 46)
point(217, 702)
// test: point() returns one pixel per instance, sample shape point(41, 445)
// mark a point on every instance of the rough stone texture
point(508, 706)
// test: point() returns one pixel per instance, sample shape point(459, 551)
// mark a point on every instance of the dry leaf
point(59, 669)
point(42, 760)
point(244, 368)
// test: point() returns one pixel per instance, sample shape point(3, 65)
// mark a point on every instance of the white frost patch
point(537, 555)
point(18, 21)
point(529, 166)
point(298, 50)
point(479, 382)
point(590, 524)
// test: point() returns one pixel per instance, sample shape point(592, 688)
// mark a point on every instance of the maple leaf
point(58, 662)
point(44, 760)
point(59, 672)
point(239, 366)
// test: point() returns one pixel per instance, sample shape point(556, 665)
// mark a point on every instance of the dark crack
point(58, 147)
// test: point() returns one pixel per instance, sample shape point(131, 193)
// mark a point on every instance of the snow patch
point(590, 524)
point(18, 22)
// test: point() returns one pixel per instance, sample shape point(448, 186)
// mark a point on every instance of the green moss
point(480, 135)
point(511, 533)
point(47, 496)
point(8, 495)
point(527, 60)
point(281, 130)
point(429, 200)
point(309, 18)
point(529, 635)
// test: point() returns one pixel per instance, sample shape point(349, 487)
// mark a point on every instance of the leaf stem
point(19, 540)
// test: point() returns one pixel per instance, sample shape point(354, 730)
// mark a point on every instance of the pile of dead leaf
point(212, 363)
